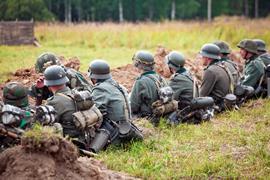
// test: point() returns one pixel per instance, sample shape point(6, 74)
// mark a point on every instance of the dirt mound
point(47, 156)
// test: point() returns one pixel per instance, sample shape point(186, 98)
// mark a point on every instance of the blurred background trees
point(129, 10)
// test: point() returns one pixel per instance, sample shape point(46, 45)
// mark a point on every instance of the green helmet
point(223, 46)
point(15, 94)
point(175, 60)
point(144, 60)
point(211, 51)
point(55, 75)
point(248, 45)
point(45, 60)
point(260, 45)
point(99, 69)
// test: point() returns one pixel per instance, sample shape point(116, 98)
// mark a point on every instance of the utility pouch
point(87, 118)
point(11, 114)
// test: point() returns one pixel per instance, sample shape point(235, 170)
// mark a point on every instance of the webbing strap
point(225, 68)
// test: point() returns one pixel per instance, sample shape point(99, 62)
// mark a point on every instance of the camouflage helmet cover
point(45, 60)
point(223, 46)
point(14, 93)
point(248, 45)
point(175, 60)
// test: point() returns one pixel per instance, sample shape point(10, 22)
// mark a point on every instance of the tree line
point(129, 10)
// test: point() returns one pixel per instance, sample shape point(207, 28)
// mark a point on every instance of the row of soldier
point(99, 112)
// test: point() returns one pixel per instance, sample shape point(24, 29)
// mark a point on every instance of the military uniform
point(253, 71)
point(65, 107)
point(144, 93)
point(76, 81)
point(232, 67)
point(182, 85)
point(265, 58)
point(216, 82)
point(110, 101)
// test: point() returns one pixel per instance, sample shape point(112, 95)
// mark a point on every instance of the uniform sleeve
point(252, 76)
point(100, 98)
point(58, 106)
point(136, 96)
point(208, 83)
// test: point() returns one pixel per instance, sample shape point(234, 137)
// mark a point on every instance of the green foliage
point(133, 10)
point(24, 10)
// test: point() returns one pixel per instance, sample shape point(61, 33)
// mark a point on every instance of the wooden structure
point(16, 32)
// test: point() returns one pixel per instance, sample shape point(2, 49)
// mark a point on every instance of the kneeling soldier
point(111, 99)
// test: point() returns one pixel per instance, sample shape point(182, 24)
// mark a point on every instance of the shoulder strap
point(225, 68)
point(194, 81)
point(70, 97)
point(115, 84)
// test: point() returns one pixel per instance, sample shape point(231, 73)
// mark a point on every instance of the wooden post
point(209, 10)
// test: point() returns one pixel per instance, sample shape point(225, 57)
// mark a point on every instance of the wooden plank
point(16, 32)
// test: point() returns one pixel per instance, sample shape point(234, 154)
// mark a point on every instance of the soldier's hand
point(40, 82)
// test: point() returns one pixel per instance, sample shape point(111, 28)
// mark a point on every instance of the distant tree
point(26, 10)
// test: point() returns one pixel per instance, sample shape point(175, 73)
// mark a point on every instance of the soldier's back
point(182, 85)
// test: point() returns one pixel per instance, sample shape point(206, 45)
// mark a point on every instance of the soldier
point(55, 80)
point(111, 99)
point(254, 67)
point(40, 92)
point(232, 67)
point(216, 81)
point(145, 88)
point(262, 52)
point(182, 83)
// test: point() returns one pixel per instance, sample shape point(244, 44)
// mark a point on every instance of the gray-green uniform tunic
point(144, 93)
point(215, 83)
point(110, 100)
point(182, 85)
point(65, 107)
point(253, 71)
point(232, 67)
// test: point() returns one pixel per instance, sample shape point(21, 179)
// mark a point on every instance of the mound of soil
point(51, 158)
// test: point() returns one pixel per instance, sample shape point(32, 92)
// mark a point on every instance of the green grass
point(118, 42)
point(233, 145)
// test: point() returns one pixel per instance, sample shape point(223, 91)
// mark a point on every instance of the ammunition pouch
point(160, 108)
point(165, 94)
point(87, 118)
point(45, 114)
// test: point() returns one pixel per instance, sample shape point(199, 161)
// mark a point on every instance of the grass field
point(233, 145)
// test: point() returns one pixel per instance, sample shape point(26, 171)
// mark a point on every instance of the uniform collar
point(181, 70)
point(214, 61)
point(251, 58)
point(224, 58)
point(148, 72)
point(65, 89)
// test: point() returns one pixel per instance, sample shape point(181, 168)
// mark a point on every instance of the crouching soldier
point(254, 67)
point(41, 92)
point(146, 87)
point(110, 98)
point(190, 108)
point(217, 79)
